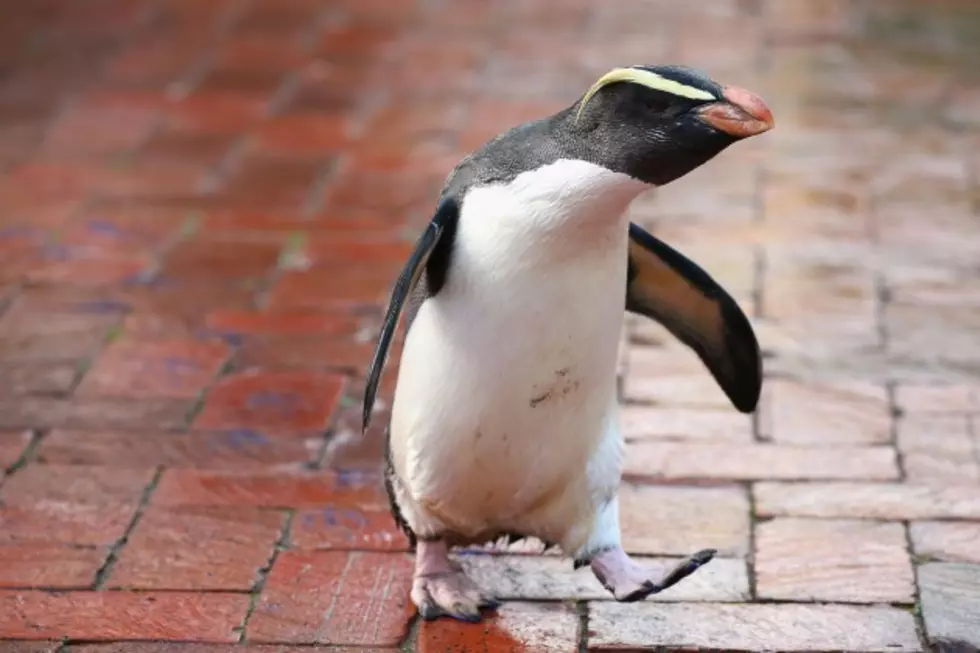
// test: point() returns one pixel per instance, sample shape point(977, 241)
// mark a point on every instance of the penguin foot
point(441, 588)
point(629, 581)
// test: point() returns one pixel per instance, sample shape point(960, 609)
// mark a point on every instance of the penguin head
point(657, 123)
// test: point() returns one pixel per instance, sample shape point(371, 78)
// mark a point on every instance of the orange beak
point(742, 115)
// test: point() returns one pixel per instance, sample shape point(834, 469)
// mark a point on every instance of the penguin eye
point(657, 102)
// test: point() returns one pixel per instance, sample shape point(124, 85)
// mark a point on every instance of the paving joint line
point(28, 455)
point(282, 543)
point(920, 624)
point(583, 613)
point(102, 575)
point(752, 543)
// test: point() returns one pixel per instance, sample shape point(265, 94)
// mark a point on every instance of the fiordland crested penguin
point(504, 421)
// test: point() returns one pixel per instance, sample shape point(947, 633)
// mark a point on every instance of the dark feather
point(432, 246)
point(668, 287)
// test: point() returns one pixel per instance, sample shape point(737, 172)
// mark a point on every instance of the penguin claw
point(489, 602)
point(451, 594)
point(629, 582)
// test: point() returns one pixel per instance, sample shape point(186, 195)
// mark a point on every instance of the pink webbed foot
point(629, 581)
point(440, 588)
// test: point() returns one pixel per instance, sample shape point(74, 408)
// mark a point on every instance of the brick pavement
point(202, 206)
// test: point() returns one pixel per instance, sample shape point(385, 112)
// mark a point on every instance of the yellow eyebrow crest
point(644, 78)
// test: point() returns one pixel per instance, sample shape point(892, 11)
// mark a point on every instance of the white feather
point(504, 416)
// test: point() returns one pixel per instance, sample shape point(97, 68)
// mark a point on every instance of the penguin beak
point(742, 114)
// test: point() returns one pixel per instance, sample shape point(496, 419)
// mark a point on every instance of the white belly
point(506, 385)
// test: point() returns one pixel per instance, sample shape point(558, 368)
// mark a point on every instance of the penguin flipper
point(443, 220)
point(666, 286)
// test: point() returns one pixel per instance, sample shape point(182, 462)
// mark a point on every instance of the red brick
point(65, 180)
point(266, 223)
point(271, 489)
point(237, 449)
point(124, 227)
point(288, 324)
point(335, 597)
point(309, 353)
point(61, 522)
point(210, 259)
point(150, 62)
point(122, 615)
point(328, 250)
point(193, 548)
point(173, 647)
point(387, 192)
point(347, 528)
point(85, 271)
point(55, 566)
point(268, 181)
point(215, 112)
point(94, 130)
point(68, 484)
point(185, 148)
point(347, 447)
point(526, 627)
point(32, 647)
point(303, 134)
point(288, 401)
point(178, 369)
point(355, 41)
point(37, 377)
point(285, 21)
point(94, 412)
point(330, 290)
point(29, 334)
point(13, 444)
point(258, 53)
point(256, 82)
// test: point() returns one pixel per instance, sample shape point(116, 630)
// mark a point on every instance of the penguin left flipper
point(666, 286)
point(443, 220)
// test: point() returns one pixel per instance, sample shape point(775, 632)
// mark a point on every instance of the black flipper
point(443, 220)
point(666, 286)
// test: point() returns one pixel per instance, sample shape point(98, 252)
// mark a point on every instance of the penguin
point(504, 419)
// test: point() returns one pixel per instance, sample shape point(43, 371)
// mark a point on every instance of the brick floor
point(204, 203)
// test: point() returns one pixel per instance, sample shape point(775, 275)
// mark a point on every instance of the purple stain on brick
point(19, 231)
point(346, 517)
point(242, 438)
point(105, 228)
point(57, 252)
point(308, 520)
point(229, 337)
point(176, 366)
point(103, 306)
point(286, 403)
point(145, 280)
point(354, 478)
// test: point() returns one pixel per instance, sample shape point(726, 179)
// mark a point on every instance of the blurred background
point(203, 205)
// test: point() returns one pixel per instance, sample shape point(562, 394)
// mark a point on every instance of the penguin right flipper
point(433, 245)
point(665, 285)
